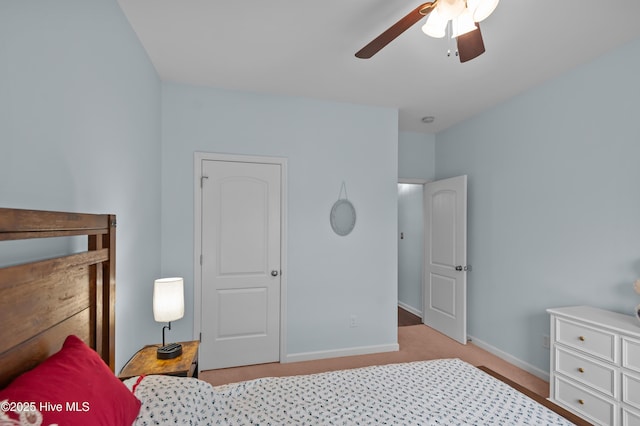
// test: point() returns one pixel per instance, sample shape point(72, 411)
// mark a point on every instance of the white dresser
point(595, 364)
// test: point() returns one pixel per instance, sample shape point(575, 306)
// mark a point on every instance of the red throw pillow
point(72, 387)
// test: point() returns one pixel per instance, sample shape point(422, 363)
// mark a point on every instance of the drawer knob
point(581, 338)
point(580, 369)
point(581, 401)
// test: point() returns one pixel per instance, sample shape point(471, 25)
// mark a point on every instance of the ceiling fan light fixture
point(482, 8)
point(450, 9)
point(469, 40)
point(435, 26)
point(463, 24)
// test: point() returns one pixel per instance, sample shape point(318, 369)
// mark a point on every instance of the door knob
point(274, 273)
point(458, 268)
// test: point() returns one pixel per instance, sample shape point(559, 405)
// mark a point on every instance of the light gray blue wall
point(329, 277)
point(416, 155)
point(416, 160)
point(80, 131)
point(554, 201)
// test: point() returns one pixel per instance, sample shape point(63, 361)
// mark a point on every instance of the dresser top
point(616, 321)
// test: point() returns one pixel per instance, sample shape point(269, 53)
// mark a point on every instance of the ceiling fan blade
point(395, 30)
point(470, 45)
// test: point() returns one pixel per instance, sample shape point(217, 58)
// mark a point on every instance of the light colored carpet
point(417, 342)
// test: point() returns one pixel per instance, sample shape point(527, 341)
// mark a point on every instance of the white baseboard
point(411, 309)
point(360, 350)
point(544, 375)
point(365, 350)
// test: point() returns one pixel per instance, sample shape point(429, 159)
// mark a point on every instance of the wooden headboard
point(44, 301)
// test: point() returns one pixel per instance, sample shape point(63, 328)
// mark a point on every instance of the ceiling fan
point(464, 15)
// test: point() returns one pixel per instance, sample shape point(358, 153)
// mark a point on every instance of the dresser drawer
point(631, 354)
point(630, 417)
point(597, 342)
point(596, 408)
point(631, 390)
point(582, 368)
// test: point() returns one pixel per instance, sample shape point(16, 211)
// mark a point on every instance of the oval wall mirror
point(343, 217)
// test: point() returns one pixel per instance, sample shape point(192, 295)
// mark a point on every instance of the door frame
point(198, 157)
point(422, 182)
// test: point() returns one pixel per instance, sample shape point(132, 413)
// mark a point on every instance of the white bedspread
point(439, 392)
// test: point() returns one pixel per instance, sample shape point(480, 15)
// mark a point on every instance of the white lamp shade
point(463, 24)
point(168, 299)
point(450, 9)
point(482, 8)
point(435, 26)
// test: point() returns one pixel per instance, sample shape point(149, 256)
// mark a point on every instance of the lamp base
point(170, 351)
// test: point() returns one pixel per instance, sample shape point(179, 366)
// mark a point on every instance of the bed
point(57, 360)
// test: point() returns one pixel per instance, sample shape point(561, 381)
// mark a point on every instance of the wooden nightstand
point(145, 362)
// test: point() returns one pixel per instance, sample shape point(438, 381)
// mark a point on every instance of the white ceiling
point(306, 48)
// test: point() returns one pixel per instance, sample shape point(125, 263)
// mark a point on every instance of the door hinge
point(202, 178)
point(200, 260)
point(200, 338)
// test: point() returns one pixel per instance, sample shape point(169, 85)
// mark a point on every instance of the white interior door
point(445, 293)
point(240, 289)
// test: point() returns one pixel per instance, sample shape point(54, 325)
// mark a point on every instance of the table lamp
point(168, 305)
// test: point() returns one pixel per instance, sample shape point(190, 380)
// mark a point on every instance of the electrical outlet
point(353, 320)
point(545, 341)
